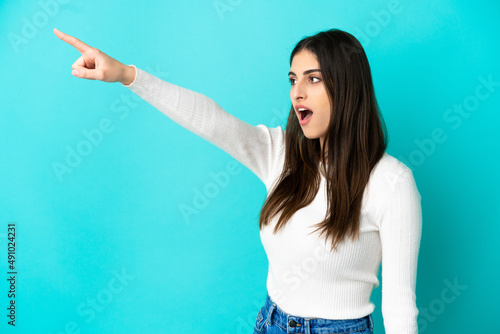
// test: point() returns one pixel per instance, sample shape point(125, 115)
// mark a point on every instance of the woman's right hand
point(96, 65)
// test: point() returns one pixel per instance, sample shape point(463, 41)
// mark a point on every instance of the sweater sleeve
point(256, 147)
point(400, 232)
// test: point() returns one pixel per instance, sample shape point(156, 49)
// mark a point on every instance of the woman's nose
point(298, 91)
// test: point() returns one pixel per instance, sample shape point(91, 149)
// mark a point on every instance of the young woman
point(337, 204)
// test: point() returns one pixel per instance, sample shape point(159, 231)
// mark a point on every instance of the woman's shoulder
point(386, 173)
point(389, 163)
point(385, 177)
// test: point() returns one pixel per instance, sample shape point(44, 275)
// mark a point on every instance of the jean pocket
point(259, 323)
point(366, 330)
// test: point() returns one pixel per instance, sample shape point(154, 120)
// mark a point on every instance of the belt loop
point(370, 321)
point(308, 326)
point(270, 313)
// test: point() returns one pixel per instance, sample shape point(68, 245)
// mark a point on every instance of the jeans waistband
point(311, 325)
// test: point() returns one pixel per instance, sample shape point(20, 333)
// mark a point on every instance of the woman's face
point(308, 91)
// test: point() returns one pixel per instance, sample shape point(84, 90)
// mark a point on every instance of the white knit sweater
point(305, 278)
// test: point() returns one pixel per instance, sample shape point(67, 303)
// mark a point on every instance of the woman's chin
point(311, 135)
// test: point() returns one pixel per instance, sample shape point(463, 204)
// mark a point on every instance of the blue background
point(119, 209)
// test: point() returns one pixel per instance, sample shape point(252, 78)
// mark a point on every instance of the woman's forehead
point(303, 59)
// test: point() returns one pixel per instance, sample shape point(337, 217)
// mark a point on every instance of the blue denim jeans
point(273, 320)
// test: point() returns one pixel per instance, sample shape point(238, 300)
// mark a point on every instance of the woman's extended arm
point(400, 233)
point(256, 147)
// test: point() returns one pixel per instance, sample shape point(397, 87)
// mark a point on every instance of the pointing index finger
point(79, 45)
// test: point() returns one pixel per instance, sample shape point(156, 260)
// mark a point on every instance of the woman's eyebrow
point(306, 72)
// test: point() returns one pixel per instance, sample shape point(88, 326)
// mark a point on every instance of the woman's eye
point(292, 80)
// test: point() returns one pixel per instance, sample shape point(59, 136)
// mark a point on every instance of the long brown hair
point(356, 140)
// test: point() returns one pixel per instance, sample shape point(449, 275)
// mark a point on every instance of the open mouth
point(304, 113)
